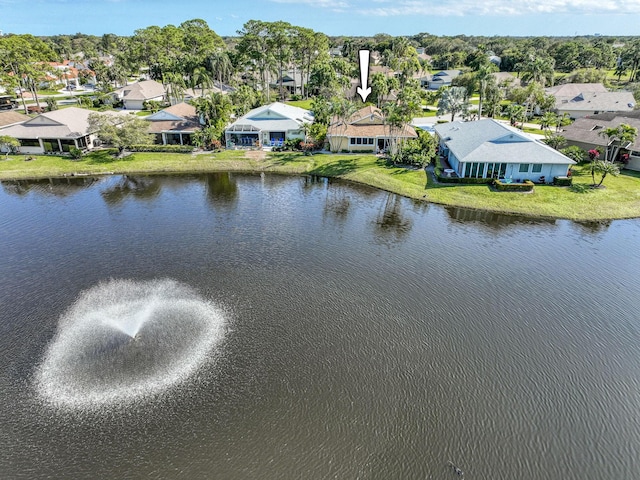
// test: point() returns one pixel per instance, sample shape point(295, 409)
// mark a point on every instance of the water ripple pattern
point(123, 341)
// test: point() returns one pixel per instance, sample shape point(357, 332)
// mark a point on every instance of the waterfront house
point(490, 149)
point(174, 125)
point(268, 125)
point(365, 131)
point(55, 132)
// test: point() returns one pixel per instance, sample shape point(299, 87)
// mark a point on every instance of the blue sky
point(333, 17)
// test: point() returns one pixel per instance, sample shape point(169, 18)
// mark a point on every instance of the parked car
point(7, 103)
point(35, 109)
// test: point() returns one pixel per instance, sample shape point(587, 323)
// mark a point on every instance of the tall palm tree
point(200, 77)
point(484, 76)
point(221, 67)
point(341, 110)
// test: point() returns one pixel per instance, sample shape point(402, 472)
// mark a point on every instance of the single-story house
point(442, 78)
point(11, 117)
point(507, 79)
point(174, 125)
point(54, 132)
point(269, 125)
point(365, 131)
point(134, 95)
point(586, 133)
point(581, 99)
point(489, 149)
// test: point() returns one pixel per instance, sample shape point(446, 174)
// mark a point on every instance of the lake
point(348, 333)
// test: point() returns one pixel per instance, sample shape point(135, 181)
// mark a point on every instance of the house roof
point(11, 118)
point(69, 122)
point(597, 101)
point(573, 89)
point(144, 90)
point(368, 122)
point(487, 139)
point(273, 117)
point(588, 129)
point(179, 117)
point(506, 77)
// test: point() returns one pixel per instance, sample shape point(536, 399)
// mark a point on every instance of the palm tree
point(618, 137)
point(548, 119)
point(341, 110)
point(484, 76)
point(453, 100)
point(201, 77)
point(221, 67)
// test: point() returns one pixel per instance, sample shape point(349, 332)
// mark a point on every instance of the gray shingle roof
point(488, 140)
point(587, 130)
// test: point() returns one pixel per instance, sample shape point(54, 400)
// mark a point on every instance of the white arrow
point(363, 90)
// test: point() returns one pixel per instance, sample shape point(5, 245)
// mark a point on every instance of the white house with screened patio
point(489, 149)
point(269, 125)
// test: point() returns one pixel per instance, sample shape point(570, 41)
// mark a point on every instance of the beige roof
point(144, 90)
point(179, 117)
point(366, 123)
point(573, 89)
point(69, 122)
point(12, 117)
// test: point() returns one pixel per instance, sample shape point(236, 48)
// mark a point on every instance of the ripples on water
point(372, 336)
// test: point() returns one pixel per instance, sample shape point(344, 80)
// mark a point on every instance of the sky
point(332, 17)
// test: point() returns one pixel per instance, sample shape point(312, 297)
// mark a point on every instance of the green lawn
point(306, 104)
point(619, 199)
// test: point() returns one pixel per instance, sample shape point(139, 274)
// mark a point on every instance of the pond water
point(247, 326)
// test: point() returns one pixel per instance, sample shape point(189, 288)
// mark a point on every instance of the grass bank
point(619, 199)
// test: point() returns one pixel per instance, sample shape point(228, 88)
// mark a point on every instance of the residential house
point(581, 99)
point(269, 125)
point(55, 132)
point(506, 79)
point(365, 131)
point(134, 95)
point(174, 125)
point(586, 133)
point(490, 149)
point(292, 82)
point(9, 118)
point(443, 78)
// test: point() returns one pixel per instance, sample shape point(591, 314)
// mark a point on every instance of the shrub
point(575, 153)
point(526, 186)
point(468, 181)
point(75, 153)
point(563, 181)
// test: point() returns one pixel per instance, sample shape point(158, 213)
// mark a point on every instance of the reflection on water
point(222, 188)
point(391, 223)
point(140, 187)
point(492, 220)
point(60, 187)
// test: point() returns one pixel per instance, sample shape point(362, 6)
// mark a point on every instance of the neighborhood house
point(133, 96)
point(269, 125)
point(489, 149)
point(174, 125)
point(54, 132)
point(578, 100)
point(365, 131)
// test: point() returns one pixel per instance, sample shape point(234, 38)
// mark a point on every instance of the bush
point(75, 153)
point(161, 148)
point(526, 186)
point(468, 181)
point(575, 153)
point(563, 181)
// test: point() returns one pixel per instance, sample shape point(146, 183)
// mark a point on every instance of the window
point(358, 141)
point(352, 141)
point(537, 168)
point(524, 168)
point(27, 142)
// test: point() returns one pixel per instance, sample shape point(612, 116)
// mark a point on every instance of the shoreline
point(620, 200)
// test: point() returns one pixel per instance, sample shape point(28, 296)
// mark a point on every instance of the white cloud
point(387, 8)
point(337, 6)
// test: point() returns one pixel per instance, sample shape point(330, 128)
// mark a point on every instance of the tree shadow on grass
point(106, 156)
point(581, 188)
point(336, 168)
point(284, 158)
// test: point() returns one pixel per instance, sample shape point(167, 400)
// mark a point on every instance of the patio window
point(537, 168)
point(28, 142)
point(524, 168)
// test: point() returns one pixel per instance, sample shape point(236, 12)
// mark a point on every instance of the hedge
point(526, 186)
point(470, 181)
point(563, 181)
point(162, 148)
